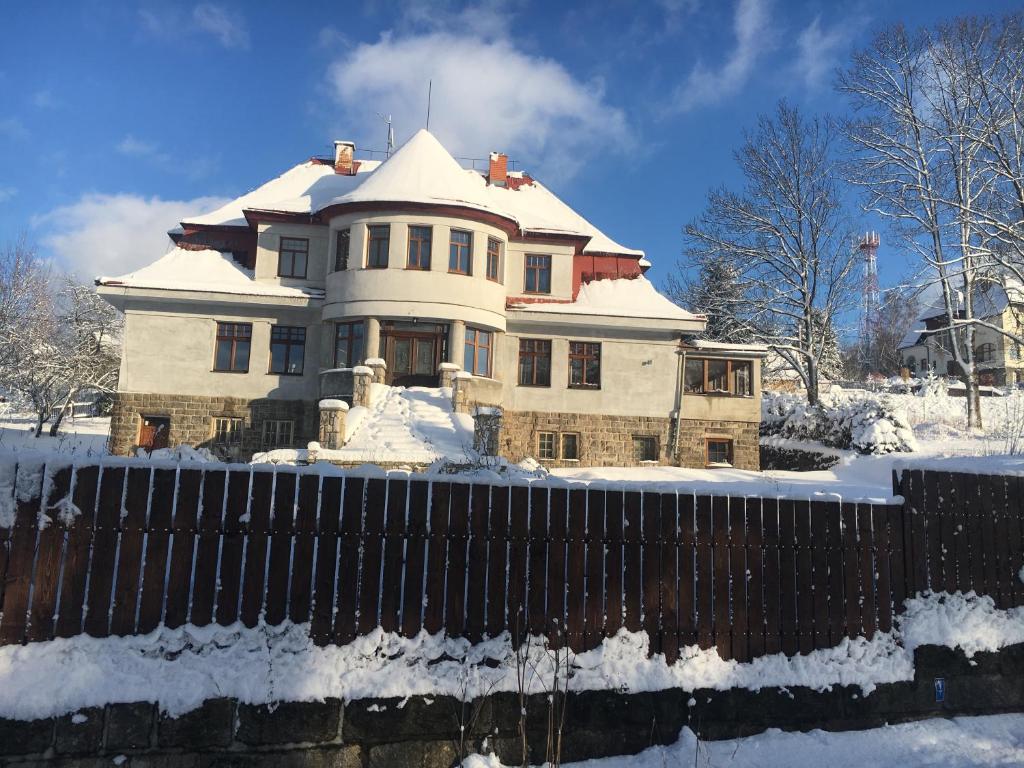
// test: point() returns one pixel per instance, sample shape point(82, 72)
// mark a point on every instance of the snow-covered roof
point(420, 171)
point(726, 346)
point(990, 299)
point(620, 297)
point(209, 271)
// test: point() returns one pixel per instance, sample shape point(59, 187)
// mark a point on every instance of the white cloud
point(134, 147)
point(13, 128)
point(6, 193)
point(44, 99)
point(229, 28)
point(487, 95)
point(818, 50)
point(112, 234)
point(753, 37)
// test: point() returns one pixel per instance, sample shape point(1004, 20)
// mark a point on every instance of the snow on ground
point(183, 667)
point(962, 742)
point(81, 437)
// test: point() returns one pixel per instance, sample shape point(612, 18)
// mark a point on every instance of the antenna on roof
point(391, 133)
point(430, 88)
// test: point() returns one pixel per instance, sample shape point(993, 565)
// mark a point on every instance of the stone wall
point(425, 731)
point(608, 440)
point(191, 420)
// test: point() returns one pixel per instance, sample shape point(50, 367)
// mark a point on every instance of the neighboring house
point(419, 272)
point(927, 346)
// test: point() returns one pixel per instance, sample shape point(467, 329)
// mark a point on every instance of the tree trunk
point(812, 382)
point(40, 420)
point(972, 394)
point(60, 416)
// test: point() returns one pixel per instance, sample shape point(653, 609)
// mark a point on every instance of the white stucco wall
point(267, 250)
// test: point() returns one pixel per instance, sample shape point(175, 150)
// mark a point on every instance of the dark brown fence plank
point(1001, 553)
point(593, 621)
point(788, 621)
point(372, 558)
point(129, 561)
point(651, 582)
point(771, 586)
point(353, 498)
point(686, 600)
point(321, 627)
point(183, 535)
point(556, 580)
point(536, 590)
point(974, 509)
point(256, 547)
point(918, 560)
point(300, 603)
point(576, 569)
point(668, 581)
point(104, 551)
point(632, 561)
point(1015, 536)
point(158, 539)
point(76, 561)
point(897, 529)
point(948, 493)
point(497, 560)
point(755, 580)
point(211, 515)
point(476, 578)
point(836, 578)
point(49, 556)
point(437, 558)
point(804, 577)
point(819, 560)
point(964, 485)
point(23, 538)
point(720, 560)
point(933, 511)
point(394, 550)
point(851, 570)
point(455, 576)
point(705, 574)
point(282, 528)
point(878, 602)
point(416, 558)
point(9, 473)
point(988, 535)
point(738, 578)
point(519, 526)
point(229, 589)
point(613, 578)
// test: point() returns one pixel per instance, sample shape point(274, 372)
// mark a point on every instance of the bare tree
point(785, 237)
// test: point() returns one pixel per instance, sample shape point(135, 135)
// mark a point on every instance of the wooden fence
point(125, 548)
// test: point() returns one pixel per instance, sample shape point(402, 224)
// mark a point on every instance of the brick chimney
point(343, 155)
point(498, 171)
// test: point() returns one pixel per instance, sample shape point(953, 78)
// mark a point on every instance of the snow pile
point(183, 667)
point(179, 454)
point(864, 422)
point(622, 297)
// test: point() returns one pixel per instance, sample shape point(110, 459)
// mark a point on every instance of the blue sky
point(118, 118)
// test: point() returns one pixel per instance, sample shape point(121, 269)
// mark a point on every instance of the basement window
point(719, 452)
point(570, 446)
point(547, 448)
point(645, 448)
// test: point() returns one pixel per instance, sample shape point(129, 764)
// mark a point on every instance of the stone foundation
point(744, 436)
point(192, 417)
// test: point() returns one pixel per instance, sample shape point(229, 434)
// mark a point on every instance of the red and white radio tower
point(870, 299)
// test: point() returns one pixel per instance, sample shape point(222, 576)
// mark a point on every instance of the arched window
point(985, 353)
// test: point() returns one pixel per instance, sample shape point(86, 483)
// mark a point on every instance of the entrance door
point(412, 359)
point(154, 433)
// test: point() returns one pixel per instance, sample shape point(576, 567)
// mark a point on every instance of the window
point(460, 252)
point(719, 452)
point(287, 349)
point(534, 363)
point(292, 256)
point(584, 365)
point(538, 274)
point(720, 377)
point(341, 250)
point(419, 247)
point(950, 368)
point(985, 353)
point(547, 448)
point(227, 431)
point(494, 259)
point(377, 245)
point(570, 446)
point(912, 364)
point(277, 434)
point(645, 448)
point(478, 352)
point(348, 344)
point(233, 343)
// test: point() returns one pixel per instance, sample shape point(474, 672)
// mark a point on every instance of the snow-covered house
point(927, 346)
point(416, 271)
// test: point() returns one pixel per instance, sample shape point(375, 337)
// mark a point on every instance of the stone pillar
point(332, 423)
point(372, 338)
point(446, 374)
point(379, 368)
point(457, 343)
point(362, 377)
point(486, 429)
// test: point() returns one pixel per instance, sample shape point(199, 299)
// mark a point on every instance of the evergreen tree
point(716, 292)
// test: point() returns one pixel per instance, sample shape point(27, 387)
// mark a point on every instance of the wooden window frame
point(708, 440)
point(535, 354)
point(238, 424)
point(657, 448)
point(233, 340)
point(537, 270)
point(290, 344)
point(554, 445)
point(561, 446)
point(728, 377)
point(351, 335)
point(340, 257)
point(371, 230)
point(419, 265)
point(584, 357)
point(278, 422)
point(985, 353)
point(489, 346)
point(493, 259)
point(455, 251)
point(281, 251)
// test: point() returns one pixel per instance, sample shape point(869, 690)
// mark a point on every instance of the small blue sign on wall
point(940, 689)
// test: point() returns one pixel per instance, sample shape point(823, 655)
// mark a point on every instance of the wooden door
point(154, 432)
point(412, 359)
